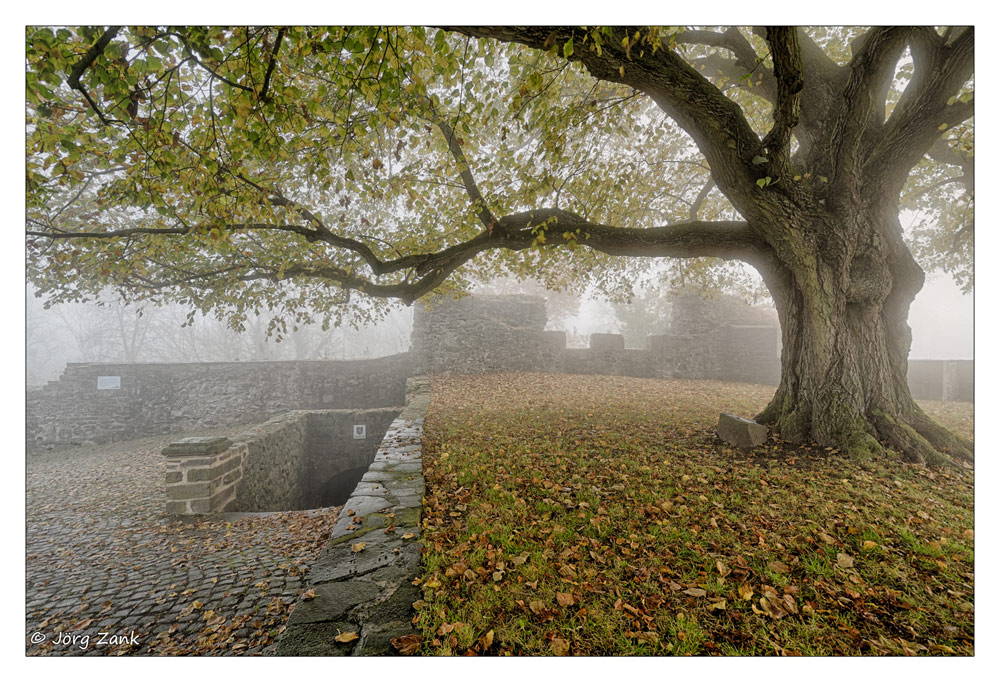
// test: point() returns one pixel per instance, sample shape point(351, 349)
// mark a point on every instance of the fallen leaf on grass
point(845, 560)
point(746, 591)
point(560, 647)
point(407, 645)
point(778, 567)
point(648, 637)
point(565, 599)
point(695, 592)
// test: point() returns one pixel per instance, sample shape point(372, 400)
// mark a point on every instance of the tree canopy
point(233, 168)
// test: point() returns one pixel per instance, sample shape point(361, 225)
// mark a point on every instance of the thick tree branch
point(544, 228)
point(863, 98)
point(923, 112)
point(270, 64)
point(787, 59)
point(746, 59)
point(486, 217)
point(95, 51)
point(715, 122)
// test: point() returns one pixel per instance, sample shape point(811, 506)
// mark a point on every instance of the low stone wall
point(363, 578)
point(942, 379)
point(722, 339)
point(283, 464)
point(506, 333)
point(100, 403)
point(202, 474)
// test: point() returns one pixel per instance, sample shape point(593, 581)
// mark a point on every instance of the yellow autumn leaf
point(345, 637)
point(358, 547)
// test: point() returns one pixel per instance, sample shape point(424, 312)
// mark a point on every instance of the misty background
point(941, 318)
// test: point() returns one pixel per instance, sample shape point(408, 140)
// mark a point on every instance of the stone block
point(189, 491)
point(743, 433)
point(177, 507)
point(333, 601)
point(174, 477)
point(201, 506)
point(607, 342)
point(554, 340)
point(198, 445)
point(660, 344)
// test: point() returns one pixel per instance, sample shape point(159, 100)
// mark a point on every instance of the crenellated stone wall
point(506, 333)
point(722, 339)
point(97, 403)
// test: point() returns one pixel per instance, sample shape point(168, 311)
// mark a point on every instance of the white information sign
point(105, 383)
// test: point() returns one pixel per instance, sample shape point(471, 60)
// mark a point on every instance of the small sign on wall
point(359, 431)
point(105, 383)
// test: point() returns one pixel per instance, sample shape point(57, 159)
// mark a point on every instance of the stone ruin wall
point(716, 339)
point(707, 340)
point(84, 406)
point(284, 463)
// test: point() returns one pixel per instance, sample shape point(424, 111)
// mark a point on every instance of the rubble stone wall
point(99, 403)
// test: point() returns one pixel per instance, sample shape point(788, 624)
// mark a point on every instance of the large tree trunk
point(843, 307)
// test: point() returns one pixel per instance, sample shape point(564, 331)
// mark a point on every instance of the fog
point(941, 319)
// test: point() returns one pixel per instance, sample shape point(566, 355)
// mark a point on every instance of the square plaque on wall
point(105, 383)
point(359, 431)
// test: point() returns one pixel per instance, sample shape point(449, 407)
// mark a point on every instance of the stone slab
point(198, 445)
point(332, 602)
point(743, 433)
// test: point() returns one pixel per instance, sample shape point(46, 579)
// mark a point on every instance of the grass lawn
point(595, 515)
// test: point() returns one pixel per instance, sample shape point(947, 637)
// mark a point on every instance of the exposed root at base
point(905, 438)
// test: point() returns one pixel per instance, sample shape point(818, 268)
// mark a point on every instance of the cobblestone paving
point(101, 559)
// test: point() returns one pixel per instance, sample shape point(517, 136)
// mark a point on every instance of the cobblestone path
point(101, 559)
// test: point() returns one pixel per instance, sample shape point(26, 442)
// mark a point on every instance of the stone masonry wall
point(506, 333)
point(479, 334)
point(100, 403)
point(722, 339)
point(363, 580)
point(282, 464)
point(202, 474)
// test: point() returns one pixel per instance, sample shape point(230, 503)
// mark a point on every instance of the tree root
point(918, 437)
point(943, 439)
point(913, 445)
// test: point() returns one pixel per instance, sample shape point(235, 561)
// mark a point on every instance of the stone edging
point(363, 578)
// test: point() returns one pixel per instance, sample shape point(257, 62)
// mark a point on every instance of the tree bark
point(843, 307)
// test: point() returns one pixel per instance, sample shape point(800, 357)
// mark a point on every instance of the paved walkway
point(100, 559)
